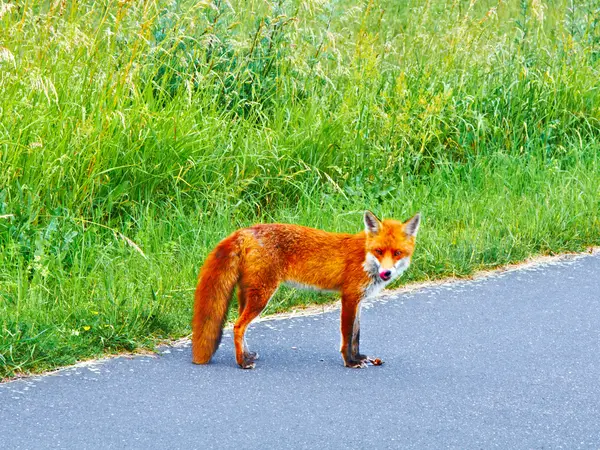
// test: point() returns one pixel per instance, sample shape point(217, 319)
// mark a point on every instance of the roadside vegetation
point(134, 135)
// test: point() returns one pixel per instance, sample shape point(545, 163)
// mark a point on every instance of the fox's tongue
point(384, 276)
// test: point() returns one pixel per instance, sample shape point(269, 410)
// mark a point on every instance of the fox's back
point(302, 254)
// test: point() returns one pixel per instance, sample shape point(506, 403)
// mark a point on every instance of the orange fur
point(261, 257)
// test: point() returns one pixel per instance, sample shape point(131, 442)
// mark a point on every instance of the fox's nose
point(385, 274)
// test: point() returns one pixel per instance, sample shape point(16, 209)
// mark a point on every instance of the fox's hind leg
point(255, 297)
point(241, 299)
point(252, 356)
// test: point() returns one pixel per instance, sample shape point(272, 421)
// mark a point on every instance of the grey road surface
point(510, 361)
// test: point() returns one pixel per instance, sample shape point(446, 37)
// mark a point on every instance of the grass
point(135, 135)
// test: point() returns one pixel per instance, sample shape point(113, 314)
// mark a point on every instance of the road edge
point(313, 310)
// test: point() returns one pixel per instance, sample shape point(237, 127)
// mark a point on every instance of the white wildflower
point(537, 7)
point(5, 8)
point(6, 55)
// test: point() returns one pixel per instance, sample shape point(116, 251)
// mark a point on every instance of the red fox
point(259, 258)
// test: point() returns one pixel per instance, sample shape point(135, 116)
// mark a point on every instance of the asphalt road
point(510, 361)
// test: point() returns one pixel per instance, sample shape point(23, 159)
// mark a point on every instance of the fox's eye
point(379, 251)
point(397, 253)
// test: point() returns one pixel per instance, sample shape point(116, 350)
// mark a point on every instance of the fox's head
point(389, 246)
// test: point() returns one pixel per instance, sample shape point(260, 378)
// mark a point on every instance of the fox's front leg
point(350, 329)
point(355, 352)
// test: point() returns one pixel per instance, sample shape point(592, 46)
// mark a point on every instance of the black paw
point(355, 364)
point(247, 364)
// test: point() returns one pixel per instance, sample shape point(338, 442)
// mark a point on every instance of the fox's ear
point(411, 226)
point(372, 223)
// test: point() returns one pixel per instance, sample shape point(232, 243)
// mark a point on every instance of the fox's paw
point(247, 364)
point(246, 360)
point(356, 364)
point(369, 359)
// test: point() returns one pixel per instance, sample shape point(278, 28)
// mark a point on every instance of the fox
point(258, 259)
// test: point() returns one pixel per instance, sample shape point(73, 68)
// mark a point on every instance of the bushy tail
point(217, 279)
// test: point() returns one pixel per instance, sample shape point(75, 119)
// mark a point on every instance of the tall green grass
point(134, 135)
